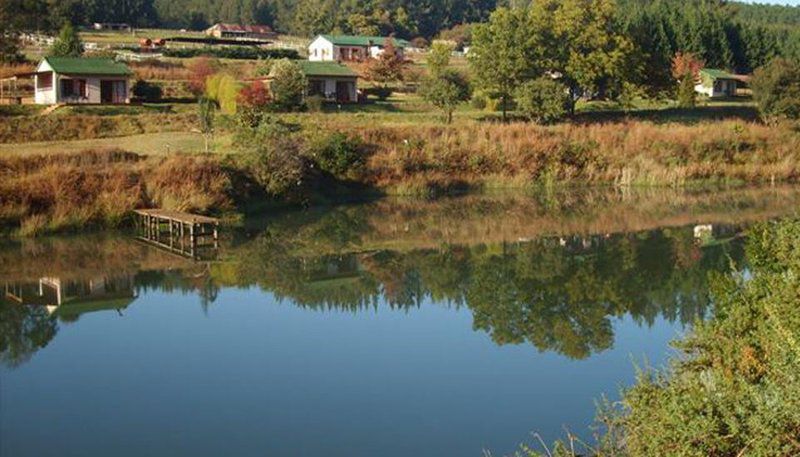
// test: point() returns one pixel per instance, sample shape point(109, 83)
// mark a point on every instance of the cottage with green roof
point(333, 81)
point(78, 80)
point(350, 48)
point(718, 83)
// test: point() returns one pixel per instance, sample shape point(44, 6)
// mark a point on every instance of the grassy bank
point(416, 159)
point(56, 192)
point(45, 191)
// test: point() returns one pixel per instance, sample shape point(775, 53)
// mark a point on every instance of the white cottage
point(78, 80)
point(718, 83)
point(332, 81)
point(350, 48)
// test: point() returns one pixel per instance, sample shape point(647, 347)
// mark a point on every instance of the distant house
point(330, 80)
point(718, 83)
point(234, 31)
point(350, 48)
point(76, 80)
point(111, 26)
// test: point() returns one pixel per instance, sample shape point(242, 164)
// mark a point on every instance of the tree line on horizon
point(705, 23)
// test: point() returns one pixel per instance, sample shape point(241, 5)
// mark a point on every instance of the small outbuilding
point(719, 83)
point(79, 80)
point(350, 48)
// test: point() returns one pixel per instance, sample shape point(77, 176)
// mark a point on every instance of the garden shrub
point(146, 91)
point(338, 154)
point(543, 100)
point(315, 103)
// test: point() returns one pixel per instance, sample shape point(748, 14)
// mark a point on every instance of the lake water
point(392, 328)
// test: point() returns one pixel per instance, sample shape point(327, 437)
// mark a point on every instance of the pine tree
point(68, 43)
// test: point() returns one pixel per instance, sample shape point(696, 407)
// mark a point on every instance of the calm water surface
point(393, 328)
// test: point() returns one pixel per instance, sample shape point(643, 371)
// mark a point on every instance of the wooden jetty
point(181, 233)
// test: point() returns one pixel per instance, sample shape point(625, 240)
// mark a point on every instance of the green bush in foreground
point(735, 390)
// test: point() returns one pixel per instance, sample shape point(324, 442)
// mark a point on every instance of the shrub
point(146, 91)
point(478, 101)
point(288, 85)
point(381, 93)
point(339, 154)
point(254, 101)
point(543, 100)
point(776, 90)
point(314, 103)
point(271, 155)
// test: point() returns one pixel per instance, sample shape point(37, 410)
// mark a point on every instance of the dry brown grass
point(157, 70)
point(624, 153)
point(56, 127)
point(190, 183)
point(57, 192)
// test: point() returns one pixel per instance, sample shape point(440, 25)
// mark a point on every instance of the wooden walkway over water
point(186, 234)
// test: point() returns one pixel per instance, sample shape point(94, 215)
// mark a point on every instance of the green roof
point(326, 69)
point(82, 307)
point(352, 40)
point(717, 74)
point(87, 66)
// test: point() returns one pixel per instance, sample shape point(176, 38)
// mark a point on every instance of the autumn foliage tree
point(200, 69)
point(253, 101)
point(686, 71)
point(389, 67)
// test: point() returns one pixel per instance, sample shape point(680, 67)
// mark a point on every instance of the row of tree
point(716, 26)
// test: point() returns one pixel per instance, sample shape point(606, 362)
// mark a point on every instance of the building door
point(106, 91)
point(343, 92)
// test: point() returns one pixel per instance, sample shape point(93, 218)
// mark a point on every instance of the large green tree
point(500, 57)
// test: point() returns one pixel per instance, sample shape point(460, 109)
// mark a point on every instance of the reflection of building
point(334, 269)
point(69, 299)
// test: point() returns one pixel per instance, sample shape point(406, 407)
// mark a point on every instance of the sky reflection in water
point(392, 328)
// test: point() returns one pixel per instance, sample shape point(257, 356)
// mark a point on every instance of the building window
point(45, 81)
point(71, 88)
point(316, 87)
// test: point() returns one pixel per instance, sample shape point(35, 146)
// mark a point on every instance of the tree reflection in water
point(553, 275)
